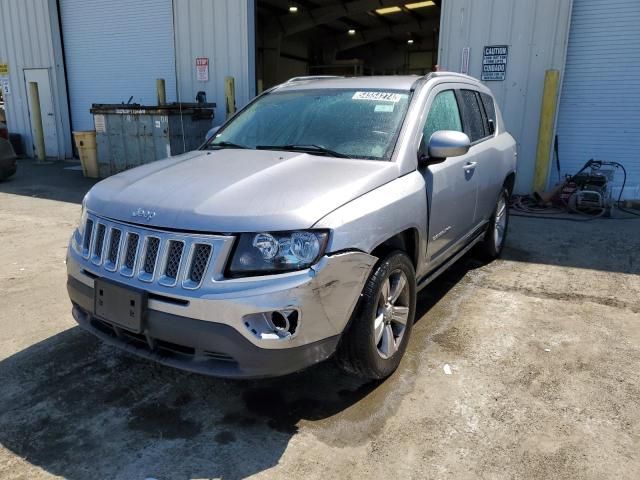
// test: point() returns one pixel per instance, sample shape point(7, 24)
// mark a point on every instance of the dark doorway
point(349, 38)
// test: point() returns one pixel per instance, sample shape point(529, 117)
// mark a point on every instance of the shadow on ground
point(73, 406)
point(60, 181)
point(80, 409)
point(609, 245)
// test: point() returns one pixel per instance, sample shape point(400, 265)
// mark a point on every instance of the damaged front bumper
point(250, 327)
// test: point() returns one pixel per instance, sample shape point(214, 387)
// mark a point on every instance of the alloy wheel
point(392, 314)
point(500, 226)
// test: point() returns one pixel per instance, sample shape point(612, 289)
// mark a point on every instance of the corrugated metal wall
point(115, 49)
point(30, 38)
point(600, 104)
point(222, 31)
point(536, 33)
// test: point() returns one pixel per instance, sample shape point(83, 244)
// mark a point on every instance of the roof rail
point(311, 77)
point(444, 73)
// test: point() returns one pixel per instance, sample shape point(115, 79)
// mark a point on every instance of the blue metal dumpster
point(129, 135)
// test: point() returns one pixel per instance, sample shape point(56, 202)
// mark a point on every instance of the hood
point(237, 190)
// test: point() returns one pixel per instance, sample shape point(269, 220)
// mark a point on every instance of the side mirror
point(442, 145)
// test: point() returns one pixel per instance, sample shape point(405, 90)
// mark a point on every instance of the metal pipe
point(162, 93)
point(36, 122)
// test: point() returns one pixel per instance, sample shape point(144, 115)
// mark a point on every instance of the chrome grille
point(114, 245)
point(132, 248)
point(151, 255)
point(199, 262)
point(169, 259)
point(88, 232)
point(174, 255)
point(99, 242)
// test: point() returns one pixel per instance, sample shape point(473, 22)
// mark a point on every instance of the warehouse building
point(112, 51)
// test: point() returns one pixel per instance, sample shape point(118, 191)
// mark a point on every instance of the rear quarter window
point(489, 107)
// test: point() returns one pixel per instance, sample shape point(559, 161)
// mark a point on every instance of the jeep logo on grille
point(145, 214)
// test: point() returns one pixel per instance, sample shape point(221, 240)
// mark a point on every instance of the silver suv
point(302, 230)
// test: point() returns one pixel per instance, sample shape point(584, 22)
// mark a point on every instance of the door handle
point(470, 166)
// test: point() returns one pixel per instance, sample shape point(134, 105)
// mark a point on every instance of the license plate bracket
point(123, 307)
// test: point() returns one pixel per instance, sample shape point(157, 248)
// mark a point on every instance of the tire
point(376, 339)
point(492, 245)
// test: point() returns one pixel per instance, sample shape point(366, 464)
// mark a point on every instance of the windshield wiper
point(317, 149)
point(227, 145)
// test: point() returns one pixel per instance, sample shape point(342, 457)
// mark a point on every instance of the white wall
point(224, 32)
point(536, 32)
point(30, 38)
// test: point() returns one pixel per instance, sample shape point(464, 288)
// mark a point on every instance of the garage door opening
point(354, 38)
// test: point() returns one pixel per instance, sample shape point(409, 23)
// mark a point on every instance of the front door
point(40, 76)
point(451, 188)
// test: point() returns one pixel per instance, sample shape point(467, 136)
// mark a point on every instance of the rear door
point(485, 157)
point(451, 189)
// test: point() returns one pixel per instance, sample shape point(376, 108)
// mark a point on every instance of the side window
point(444, 115)
point(472, 115)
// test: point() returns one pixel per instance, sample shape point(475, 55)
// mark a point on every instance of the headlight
point(83, 218)
point(78, 233)
point(273, 252)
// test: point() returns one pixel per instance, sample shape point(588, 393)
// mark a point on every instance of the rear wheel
point(493, 243)
point(377, 337)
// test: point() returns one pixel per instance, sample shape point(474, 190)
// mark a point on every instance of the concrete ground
point(543, 348)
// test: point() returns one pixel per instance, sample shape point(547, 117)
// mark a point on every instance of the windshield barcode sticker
point(378, 96)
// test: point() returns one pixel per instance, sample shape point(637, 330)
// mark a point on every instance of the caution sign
point(494, 63)
point(4, 69)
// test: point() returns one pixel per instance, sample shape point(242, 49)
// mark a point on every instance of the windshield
point(335, 122)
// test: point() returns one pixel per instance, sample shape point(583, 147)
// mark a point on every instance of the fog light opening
point(285, 323)
point(273, 325)
point(280, 322)
point(293, 321)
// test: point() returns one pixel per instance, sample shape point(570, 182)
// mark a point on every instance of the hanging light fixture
point(416, 5)
point(388, 10)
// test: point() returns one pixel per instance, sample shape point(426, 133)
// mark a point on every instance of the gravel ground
point(528, 367)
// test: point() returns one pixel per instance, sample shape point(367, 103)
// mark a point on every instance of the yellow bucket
point(86, 145)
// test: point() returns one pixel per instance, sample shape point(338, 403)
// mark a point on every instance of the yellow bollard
point(162, 93)
point(545, 132)
point(36, 119)
point(230, 94)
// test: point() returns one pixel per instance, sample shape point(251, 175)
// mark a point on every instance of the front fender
point(373, 218)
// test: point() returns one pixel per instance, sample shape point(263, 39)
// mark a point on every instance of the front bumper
point(197, 346)
point(219, 331)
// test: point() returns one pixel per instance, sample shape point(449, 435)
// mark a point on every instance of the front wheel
point(493, 243)
point(377, 337)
